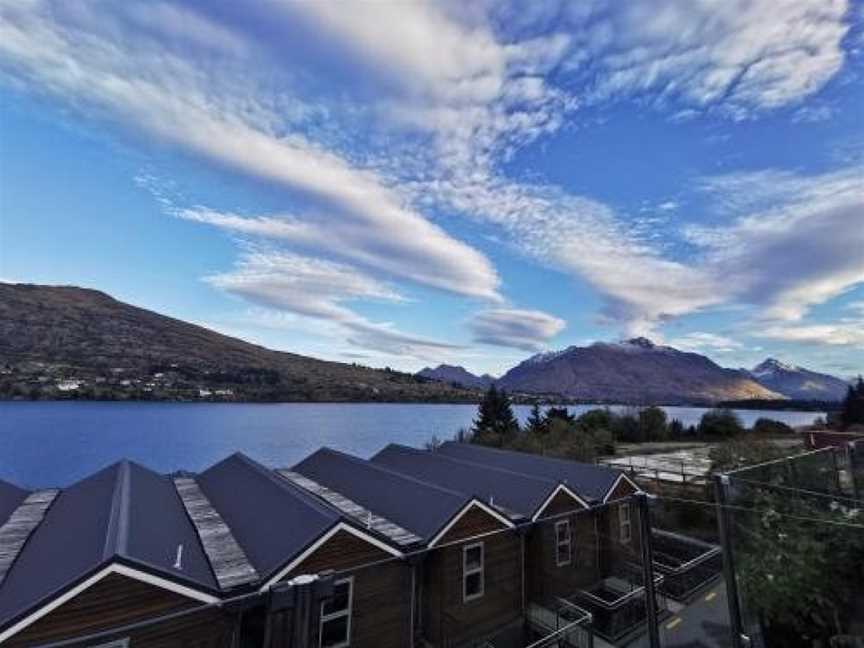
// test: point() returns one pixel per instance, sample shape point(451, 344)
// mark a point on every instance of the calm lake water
point(54, 443)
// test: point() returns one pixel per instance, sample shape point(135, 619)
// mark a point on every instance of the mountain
point(68, 342)
point(635, 371)
point(797, 382)
point(455, 375)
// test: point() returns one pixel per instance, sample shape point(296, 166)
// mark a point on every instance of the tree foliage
point(853, 405)
point(720, 423)
point(495, 425)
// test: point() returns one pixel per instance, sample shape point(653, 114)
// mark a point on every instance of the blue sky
point(404, 184)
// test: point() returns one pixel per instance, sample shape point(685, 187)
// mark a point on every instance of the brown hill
point(75, 342)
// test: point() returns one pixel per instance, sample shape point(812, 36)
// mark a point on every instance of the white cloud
point(741, 55)
point(701, 342)
point(224, 117)
point(830, 334)
point(794, 242)
point(528, 330)
point(319, 289)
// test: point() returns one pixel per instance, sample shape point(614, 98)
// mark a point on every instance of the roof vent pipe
point(178, 561)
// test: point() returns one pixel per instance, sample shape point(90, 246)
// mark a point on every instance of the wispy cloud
point(528, 330)
point(323, 290)
point(706, 342)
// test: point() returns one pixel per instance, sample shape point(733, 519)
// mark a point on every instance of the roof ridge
point(226, 558)
point(24, 520)
point(117, 529)
point(365, 462)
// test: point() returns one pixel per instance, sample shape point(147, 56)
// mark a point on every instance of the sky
point(403, 184)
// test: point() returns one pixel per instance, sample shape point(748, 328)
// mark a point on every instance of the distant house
point(68, 385)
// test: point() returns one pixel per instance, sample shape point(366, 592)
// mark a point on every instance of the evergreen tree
point(536, 424)
point(853, 405)
point(495, 424)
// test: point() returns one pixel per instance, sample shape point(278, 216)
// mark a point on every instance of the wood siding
point(447, 619)
point(561, 503)
point(381, 610)
point(546, 579)
point(116, 601)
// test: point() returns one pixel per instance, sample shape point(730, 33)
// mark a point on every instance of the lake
point(55, 443)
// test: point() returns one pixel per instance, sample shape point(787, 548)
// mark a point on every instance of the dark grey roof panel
point(66, 546)
point(124, 512)
point(587, 480)
point(228, 560)
point(19, 526)
point(158, 525)
point(418, 506)
point(518, 492)
point(10, 497)
point(360, 514)
point(272, 520)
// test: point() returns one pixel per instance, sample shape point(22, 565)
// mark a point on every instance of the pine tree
point(536, 423)
point(495, 424)
point(853, 406)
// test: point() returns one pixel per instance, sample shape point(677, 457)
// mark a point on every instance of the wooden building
point(413, 548)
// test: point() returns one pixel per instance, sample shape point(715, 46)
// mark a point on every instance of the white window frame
point(466, 572)
point(566, 543)
point(347, 612)
point(625, 523)
point(117, 643)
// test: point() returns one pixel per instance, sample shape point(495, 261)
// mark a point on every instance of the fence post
point(648, 568)
point(723, 523)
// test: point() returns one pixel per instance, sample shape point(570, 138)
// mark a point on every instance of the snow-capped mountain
point(633, 371)
point(797, 382)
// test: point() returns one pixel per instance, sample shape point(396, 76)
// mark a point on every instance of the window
point(563, 552)
point(472, 572)
point(335, 630)
point(624, 526)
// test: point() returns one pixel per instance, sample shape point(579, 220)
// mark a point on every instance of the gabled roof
point(272, 520)
point(523, 494)
point(589, 481)
point(122, 515)
point(10, 497)
point(419, 506)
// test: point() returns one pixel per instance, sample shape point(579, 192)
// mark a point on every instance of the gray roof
point(228, 560)
point(360, 514)
point(420, 507)
point(10, 497)
point(124, 513)
point(524, 494)
point(589, 481)
point(273, 520)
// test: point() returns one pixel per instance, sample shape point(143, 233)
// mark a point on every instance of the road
point(702, 624)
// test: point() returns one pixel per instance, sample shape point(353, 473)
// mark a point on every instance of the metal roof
point(124, 513)
point(271, 519)
point(10, 497)
point(228, 560)
point(360, 514)
point(586, 480)
point(421, 507)
point(501, 488)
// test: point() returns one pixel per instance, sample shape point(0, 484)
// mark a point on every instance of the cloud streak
point(528, 330)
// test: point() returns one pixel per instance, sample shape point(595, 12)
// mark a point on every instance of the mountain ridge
point(797, 382)
point(70, 342)
point(634, 371)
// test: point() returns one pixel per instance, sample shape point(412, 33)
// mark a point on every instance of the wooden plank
point(20, 525)
point(227, 558)
point(364, 516)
